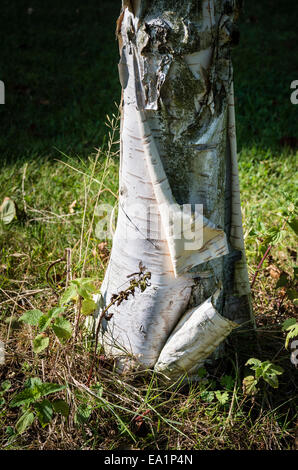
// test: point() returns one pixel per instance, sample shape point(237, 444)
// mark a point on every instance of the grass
point(59, 162)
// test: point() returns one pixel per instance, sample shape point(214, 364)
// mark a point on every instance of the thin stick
point(68, 266)
point(260, 265)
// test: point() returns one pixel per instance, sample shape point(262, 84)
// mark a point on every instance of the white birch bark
point(178, 147)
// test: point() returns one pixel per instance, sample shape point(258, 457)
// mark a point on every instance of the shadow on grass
point(264, 68)
point(59, 65)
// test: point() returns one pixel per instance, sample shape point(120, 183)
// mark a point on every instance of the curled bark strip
point(196, 337)
point(48, 271)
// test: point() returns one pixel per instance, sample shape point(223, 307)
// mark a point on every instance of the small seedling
point(34, 406)
point(262, 370)
point(84, 289)
point(53, 320)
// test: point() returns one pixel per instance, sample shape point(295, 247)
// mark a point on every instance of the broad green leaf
point(5, 385)
point(83, 413)
point(31, 317)
point(207, 396)
point(36, 389)
point(88, 306)
point(69, 294)
point(7, 211)
point(278, 370)
point(45, 320)
point(47, 388)
point(25, 397)
point(33, 382)
point(44, 412)
point(40, 343)
point(24, 421)
point(85, 287)
point(288, 323)
point(258, 372)
point(249, 385)
point(44, 323)
point(223, 397)
point(2, 401)
point(292, 332)
point(54, 312)
point(87, 282)
point(271, 379)
point(10, 431)
point(265, 366)
point(85, 293)
point(254, 362)
point(62, 329)
point(293, 223)
point(60, 406)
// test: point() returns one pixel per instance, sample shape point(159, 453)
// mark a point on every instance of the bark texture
point(178, 146)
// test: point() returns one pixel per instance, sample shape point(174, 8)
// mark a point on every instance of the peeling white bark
point(193, 340)
point(178, 147)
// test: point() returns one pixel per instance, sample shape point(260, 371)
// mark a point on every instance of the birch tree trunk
point(178, 154)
